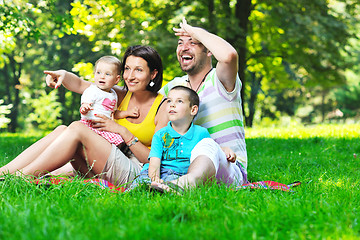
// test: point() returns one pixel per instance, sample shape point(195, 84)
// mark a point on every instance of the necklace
point(203, 80)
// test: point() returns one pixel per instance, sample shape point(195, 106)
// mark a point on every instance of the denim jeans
point(165, 174)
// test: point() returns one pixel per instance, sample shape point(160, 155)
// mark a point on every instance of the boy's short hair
point(110, 60)
point(193, 96)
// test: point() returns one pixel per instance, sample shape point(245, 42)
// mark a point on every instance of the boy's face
point(106, 76)
point(178, 107)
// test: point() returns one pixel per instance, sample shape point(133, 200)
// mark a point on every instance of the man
point(220, 105)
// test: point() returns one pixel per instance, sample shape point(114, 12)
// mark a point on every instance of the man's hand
point(230, 154)
point(184, 30)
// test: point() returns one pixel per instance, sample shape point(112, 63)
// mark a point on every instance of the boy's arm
point(154, 169)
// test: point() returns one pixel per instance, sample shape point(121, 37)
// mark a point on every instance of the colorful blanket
point(97, 181)
point(270, 185)
point(107, 185)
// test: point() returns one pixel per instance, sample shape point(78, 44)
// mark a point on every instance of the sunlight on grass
point(324, 158)
point(333, 183)
point(334, 131)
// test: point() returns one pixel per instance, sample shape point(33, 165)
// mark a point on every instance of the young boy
point(100, 98)
point(172, 145)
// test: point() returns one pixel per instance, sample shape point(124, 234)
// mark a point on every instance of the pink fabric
point(113, 138)
point(97, 181)
point(107, 185)
point(269, 185)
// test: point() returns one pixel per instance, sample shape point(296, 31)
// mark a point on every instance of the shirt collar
point(188, 135)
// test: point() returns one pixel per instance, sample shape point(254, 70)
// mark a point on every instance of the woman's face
point(137, 74)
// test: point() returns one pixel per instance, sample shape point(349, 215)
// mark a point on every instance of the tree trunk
point(255, 88)
point(242, 13)
point(14, 97)
point(212, 16)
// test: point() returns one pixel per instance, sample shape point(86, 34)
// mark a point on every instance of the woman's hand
point(105, 124)
point(54, 79)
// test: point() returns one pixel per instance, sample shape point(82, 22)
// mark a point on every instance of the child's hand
point(85, 108)
point(157, 180)
point(134, 112)
point(230, 155)
point(54, 79)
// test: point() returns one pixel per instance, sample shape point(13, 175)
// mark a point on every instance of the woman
point(89, 153)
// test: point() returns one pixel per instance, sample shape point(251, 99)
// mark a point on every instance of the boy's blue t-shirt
point(174, 149)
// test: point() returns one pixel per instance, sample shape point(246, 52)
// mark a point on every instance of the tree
point(287, 49)
point(15, 29)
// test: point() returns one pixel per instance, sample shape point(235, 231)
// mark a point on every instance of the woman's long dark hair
point(153, 60)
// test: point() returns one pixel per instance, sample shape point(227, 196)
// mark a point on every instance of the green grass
point(325, 206)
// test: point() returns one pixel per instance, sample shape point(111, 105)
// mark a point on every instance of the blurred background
point(298, 59)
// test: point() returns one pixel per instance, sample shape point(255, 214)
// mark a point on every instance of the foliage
point(119, 24)
point(348, 100)
point(16, 28)
point(14, 22)
point(4, 110)
point(326, 206)
point(46, 111)
point(291, 52)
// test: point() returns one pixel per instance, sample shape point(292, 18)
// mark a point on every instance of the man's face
point(191, 54)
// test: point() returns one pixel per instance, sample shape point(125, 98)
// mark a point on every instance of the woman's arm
point(140, 151)
point(55, 79)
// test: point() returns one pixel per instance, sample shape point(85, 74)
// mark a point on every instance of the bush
point(47, 111)
point(4, 110)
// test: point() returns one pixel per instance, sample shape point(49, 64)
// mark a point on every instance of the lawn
point(324, 158)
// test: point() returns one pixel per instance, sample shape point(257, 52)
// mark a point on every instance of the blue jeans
point(165, 174)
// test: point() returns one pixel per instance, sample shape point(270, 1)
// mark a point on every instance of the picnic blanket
point(97, 181)
point(272, 185)
point(269, 185)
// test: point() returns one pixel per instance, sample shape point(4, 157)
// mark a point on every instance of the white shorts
point(120, 169)
point(226, 172)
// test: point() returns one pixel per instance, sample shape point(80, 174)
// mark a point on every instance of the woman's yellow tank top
point(145, 130)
